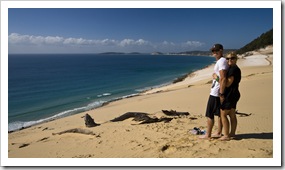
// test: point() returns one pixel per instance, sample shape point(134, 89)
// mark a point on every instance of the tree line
point(262, 41)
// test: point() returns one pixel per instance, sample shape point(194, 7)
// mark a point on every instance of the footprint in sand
point(43, 139)
point(168, 149)
point(24, 145)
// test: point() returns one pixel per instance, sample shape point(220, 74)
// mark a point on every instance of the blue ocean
point(43, 87)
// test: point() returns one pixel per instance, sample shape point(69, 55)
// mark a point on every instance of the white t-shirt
point(221, 64)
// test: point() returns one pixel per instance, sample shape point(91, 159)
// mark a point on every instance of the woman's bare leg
point(233, 119)
point(225, 123)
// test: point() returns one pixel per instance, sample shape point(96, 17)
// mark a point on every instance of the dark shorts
point(230, 102)
point(229, 105)
point(213, 107)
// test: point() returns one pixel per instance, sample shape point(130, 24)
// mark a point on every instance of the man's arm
point(222, 82)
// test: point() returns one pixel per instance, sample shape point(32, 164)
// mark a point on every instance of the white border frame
point(275, 161)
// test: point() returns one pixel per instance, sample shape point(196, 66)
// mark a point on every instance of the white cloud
point(16, 40)
point(37, 40)
point(131, 42)
point(126, 42)
point(193, 44)
point(106, 42)
point(142, 42)
point(168, 43)
point(53, 40)
point(75, 41)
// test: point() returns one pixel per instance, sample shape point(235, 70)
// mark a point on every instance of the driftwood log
point(76, 130)
point(89, 121)
point(154, 120)
point(140, 116)
point(175, 113)
point(243, 114)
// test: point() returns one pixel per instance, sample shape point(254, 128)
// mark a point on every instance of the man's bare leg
point(219, 130)
point(210, 124)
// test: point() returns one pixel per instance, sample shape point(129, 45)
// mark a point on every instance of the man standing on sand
point(217, 92)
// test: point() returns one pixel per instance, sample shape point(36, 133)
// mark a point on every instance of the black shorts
point(227, 105)
point(230, 102)
point(213, 107)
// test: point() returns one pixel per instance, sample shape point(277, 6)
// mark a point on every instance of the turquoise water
point(45, 87)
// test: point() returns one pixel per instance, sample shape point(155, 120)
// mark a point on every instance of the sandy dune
point(129, 139)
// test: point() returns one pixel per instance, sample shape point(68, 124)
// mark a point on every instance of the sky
point(144, 30)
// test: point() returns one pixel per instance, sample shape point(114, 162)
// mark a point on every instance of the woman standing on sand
point(232, 95)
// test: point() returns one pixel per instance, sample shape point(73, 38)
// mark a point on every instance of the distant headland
point(189, 53)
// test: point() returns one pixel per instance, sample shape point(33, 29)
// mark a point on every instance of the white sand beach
point(129, 139)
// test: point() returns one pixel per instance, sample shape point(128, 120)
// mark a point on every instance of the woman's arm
point(229, 81)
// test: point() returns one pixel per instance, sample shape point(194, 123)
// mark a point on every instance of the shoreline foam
point(20, 125)
point(127, 139)
point(197, 77)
